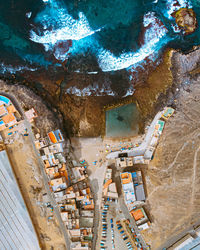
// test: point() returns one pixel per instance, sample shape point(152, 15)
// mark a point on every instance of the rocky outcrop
point(186, 20)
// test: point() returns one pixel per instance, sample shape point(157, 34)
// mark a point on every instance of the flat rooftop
point(16, 228)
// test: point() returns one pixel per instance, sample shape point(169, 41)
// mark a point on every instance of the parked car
point(111, 220)
point(137, 239)
point(132, 230)
point(121, 232)
point(119, 227)
point(125, 238)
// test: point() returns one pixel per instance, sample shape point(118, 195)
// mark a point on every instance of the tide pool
point(122, 121)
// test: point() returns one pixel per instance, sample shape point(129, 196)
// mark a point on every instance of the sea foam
point(154, 38)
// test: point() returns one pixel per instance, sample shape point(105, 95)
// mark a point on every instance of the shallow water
point(122, 121)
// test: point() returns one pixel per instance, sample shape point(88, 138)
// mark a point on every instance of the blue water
point(33, 32)
point(122, 121)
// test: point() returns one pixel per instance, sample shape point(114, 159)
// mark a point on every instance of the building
point(182, 243)
point(17, 231)
point(139, 159)
point(31, 115)
point(139, 215)
point(139, 192)
point(58, 184)
point(121, 162)
point(144, 226)
point(55, 136)
point(109, 187)
point(8, 113)
point(168, 112)
point(128, 189)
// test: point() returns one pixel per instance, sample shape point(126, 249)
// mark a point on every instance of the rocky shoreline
point(83, 115)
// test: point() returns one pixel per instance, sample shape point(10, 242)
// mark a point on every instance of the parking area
point(110, 235)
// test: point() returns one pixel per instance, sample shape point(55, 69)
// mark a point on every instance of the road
point(96, 183)
point(143, 146)
point(42, 169)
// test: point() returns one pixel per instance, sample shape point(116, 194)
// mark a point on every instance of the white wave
point(58, 25)
point(90, 90)
point(12, 70)
point(92, 72)
point(129, 92)
point(175, 28)
point(28, 14)
point(174, 5)
point(152, 37)
point(148, 18)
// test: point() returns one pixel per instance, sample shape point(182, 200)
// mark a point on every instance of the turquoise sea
point(116, 34)
point(122, 121)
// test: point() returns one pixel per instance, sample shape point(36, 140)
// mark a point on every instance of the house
point(121, 162)
point(11, 109)
point(128, 189)
point(58, 184)
point(149, 153)
point(75, 233)
point(168, 112)
point(31, 114)
point(139, 215)
point(138, 159)
point(9, 120)
point(55, 136)
point(143, 226)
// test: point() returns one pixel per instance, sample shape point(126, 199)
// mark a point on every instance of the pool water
point(122, 121)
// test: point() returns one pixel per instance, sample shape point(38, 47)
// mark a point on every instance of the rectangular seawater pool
point(122, 121)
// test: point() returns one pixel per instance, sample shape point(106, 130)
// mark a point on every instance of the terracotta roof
point(52, 137)
point(8, 118)
point(11, 109)
point(137, 214)
point(126, 178)
point(107, 183)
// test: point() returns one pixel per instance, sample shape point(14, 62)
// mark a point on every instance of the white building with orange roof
point(128, 189)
